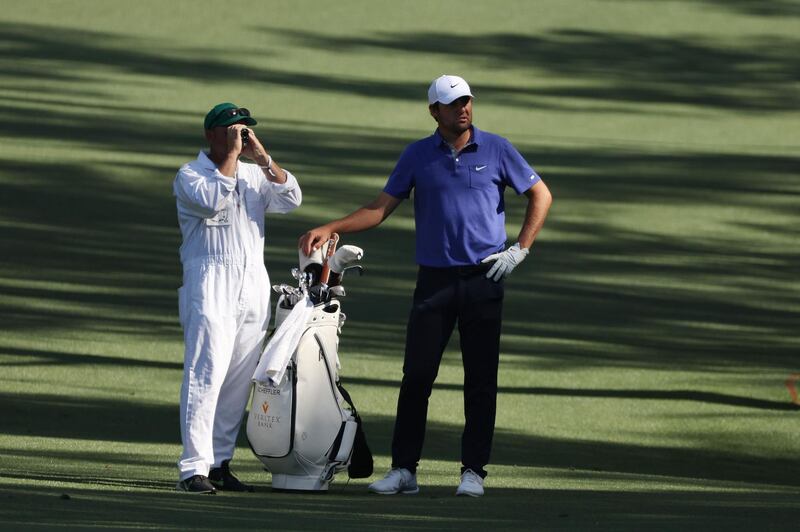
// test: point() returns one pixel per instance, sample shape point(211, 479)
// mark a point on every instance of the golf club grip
point(326, 267)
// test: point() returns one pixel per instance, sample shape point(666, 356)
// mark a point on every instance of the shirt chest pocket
point(483, 175)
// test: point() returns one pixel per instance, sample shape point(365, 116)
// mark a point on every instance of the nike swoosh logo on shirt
point(479, 168)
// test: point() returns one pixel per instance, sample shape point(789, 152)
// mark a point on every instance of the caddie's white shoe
point(396, 481)
point(471, 484)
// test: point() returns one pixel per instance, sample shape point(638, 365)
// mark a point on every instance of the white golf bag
point(302, 423)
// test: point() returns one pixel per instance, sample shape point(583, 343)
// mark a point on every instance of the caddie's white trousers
point(224, 310)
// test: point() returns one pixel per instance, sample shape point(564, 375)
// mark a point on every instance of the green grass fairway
point(646, 340)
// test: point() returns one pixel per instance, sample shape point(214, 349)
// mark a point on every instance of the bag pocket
point(270, 424)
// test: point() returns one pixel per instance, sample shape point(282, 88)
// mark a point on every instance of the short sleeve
point(516, 171)
point(401, 180)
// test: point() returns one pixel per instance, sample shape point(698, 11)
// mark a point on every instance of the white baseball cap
point(446, 89)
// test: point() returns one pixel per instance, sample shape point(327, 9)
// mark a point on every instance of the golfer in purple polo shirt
point(458, 175)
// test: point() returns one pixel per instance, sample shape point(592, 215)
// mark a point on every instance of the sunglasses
point(230, 113)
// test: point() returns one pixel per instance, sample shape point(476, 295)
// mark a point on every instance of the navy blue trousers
point(444, 297)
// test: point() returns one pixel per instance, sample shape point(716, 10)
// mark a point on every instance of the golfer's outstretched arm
point(366, 217)
point(539, 201)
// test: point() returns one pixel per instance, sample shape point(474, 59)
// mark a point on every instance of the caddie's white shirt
point(222, 218)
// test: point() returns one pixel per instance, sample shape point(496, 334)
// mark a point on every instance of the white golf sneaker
point(396, 481)
point(471, 484)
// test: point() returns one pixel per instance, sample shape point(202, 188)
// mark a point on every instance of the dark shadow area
point(124, 420)
point(129, 421)
point(435, 508)
point(93, 480)
point(92, 232)
point(102, 254)
point(690, 69)
point(54, 358)
point(52, 53)
point(772, 8)
point(579, 457)
point(92, 245)
point(121, 237)
point(714, 501)
point(660, 395)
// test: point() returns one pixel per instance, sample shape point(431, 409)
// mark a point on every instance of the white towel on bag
point(278, 352)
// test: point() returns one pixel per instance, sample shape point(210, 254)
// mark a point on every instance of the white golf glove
point(505, 262)
point(345, 257)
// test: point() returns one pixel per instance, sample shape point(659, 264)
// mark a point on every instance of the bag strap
point(348, 400)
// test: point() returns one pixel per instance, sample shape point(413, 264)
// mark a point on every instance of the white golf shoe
point(471, 484)
point(396, 481)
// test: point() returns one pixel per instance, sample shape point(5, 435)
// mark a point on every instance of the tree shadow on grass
point(57, 416)
point(433, 509)
point(112, 246)
point(773, 8)
point(34, 357)
point(117, 419)
point(583, 458)
point(660, 395)
point(50, 53)
point(75, 501)
point(695, 70)
point(90, 479)
point(621, 67)
point(112, 238)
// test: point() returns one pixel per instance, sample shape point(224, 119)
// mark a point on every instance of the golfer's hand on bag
point(314, 239)
point(505, 262)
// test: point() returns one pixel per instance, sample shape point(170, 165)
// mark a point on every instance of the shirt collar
point(476, 138)
point(205, 161)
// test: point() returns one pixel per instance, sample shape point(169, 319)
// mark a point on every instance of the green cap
point(218, 116)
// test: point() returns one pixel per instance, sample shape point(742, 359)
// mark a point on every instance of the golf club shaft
point(326, 267)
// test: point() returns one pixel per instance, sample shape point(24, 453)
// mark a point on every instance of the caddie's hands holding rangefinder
point(505, 262)
point(234, 137)
point(251, 146)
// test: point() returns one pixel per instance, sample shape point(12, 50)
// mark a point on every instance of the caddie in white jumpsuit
point(224, 301)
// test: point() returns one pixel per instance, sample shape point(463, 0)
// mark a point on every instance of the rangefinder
point(245, 136)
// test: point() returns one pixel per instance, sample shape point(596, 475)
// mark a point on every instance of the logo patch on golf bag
point(271, 416)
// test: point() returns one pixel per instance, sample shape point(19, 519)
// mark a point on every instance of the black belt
point(463, 271)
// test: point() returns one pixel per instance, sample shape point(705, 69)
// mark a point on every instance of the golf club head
point(318, 293)
point(358, 268)
point(337, 291)
point(281, 288)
